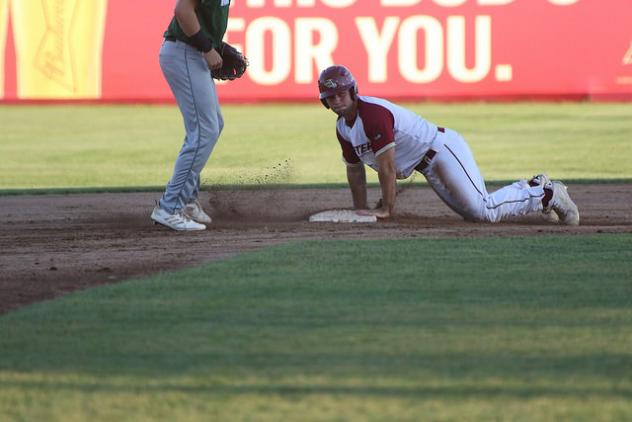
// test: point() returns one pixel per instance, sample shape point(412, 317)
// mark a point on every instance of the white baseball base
point(341, 216)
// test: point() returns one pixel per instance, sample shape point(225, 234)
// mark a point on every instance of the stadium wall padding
point(107, 50)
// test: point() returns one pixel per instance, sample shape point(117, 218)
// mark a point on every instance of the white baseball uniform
point(441, 155)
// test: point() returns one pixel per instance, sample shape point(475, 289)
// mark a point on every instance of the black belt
point(425, 161)
point(172, 39)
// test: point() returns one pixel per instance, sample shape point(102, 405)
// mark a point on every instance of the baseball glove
point(234, 64)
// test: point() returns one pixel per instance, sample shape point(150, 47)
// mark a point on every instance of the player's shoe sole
point(562, 204)
point(548, 214)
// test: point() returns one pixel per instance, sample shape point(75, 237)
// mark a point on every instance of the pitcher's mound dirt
point(53, 244)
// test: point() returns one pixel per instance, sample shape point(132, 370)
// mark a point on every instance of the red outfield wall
point(413, 49)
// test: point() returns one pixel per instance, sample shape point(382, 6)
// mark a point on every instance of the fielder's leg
point(188, 76)
point(193, 185)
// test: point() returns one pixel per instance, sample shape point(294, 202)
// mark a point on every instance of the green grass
point(535, 328)
point(135, 146)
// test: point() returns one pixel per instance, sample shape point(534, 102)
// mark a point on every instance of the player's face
point(341, 103)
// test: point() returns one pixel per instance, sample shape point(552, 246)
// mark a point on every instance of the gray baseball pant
point(187, 73)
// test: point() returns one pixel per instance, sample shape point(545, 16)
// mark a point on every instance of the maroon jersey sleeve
point(378, 124)
point(348, 153)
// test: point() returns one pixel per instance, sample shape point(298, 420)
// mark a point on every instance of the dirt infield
point(54, 244)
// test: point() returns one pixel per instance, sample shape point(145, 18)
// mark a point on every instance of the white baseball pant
point(453, 174)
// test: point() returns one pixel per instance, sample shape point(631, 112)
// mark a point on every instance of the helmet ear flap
point(324, 101)
point(353, 92)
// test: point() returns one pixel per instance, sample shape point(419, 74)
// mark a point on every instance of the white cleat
point(562, 204)
point(195, 212)
point(176, 221)
point(539, 180)
point(548, 214)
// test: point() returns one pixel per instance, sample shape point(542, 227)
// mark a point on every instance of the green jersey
point(213, 17)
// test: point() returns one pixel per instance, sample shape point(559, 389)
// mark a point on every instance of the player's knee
point(481, 214)
point(220, 124)
point(209, 136)
point(210, 129)
point(490, 215)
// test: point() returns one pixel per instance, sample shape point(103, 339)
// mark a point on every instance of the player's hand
point(381, 213)
point(213, 59)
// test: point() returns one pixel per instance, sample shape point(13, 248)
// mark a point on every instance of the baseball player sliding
point(395, 142)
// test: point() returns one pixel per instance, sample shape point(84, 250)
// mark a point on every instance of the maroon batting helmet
point(336, 79)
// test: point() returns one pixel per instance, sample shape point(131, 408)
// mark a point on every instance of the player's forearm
point(186, 17)
point(388, 180)
point(356, 176)
point(389, 190)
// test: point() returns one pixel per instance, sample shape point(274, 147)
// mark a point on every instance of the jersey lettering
point(362, 149)
point(348, 153)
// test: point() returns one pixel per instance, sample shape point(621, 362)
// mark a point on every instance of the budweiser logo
point(627, 57)
point(54, 55)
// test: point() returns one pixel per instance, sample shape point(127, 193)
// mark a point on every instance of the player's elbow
point(387, 169)
point(356, 174)
point(355, 168)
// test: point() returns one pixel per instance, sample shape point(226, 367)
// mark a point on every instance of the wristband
point(199, 41)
